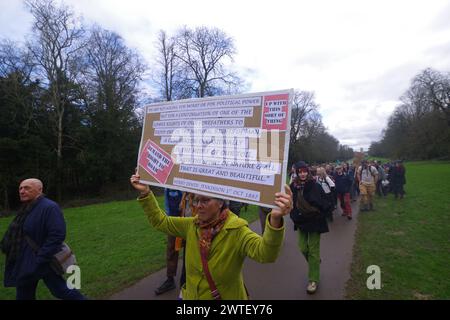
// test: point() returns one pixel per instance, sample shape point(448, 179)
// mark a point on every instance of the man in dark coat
point(308, 215)
point(41, 221)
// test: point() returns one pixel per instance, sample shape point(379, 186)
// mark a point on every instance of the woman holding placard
point(217, 242)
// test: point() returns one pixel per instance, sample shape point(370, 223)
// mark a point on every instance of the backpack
point(369, 167)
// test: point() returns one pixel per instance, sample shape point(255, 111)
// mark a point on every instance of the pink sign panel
point(275, 112)
point(157, 162)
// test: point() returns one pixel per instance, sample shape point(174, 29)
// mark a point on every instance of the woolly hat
point(300, 164)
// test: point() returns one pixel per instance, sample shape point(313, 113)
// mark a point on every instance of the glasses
point(198, 202)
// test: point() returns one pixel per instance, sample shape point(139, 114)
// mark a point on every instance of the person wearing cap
point(217, 242)
point(308, 215)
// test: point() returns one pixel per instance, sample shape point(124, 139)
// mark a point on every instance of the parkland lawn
point(408, 239)
point(114, 244)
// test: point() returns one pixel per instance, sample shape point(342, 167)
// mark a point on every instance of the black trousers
point(55, 283)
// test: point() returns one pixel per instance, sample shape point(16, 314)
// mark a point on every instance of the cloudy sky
point(358, 56)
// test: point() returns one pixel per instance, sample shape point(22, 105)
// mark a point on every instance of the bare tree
point(170, 75)
point(113, 71)
point(15, 59)
point(204, 52)
point(419, 128)
point(112, 76)
point(306, 123)
point(303, 108)
point(435, 89)
point(56, 49)
point(17, 66)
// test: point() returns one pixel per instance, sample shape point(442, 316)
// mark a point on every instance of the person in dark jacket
point(398, 179)
point(263, 212)
point(329, 188)
point(308, 215)
point(39, 220)
point(343, 185)
point(351, 176)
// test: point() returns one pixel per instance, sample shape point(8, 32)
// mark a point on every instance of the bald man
point(40, 224)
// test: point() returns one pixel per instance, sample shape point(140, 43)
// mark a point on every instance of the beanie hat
point(300, 165)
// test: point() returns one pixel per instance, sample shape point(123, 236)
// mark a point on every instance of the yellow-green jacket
point(227, 254)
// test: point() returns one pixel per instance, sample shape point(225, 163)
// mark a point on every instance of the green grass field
point(114, 244)
point(408, 239)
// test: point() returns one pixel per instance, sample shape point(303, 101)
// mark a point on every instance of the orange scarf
point(208, 230)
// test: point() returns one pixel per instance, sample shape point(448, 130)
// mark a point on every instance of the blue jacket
point(172, 200)
point(46, 226)
point(343, 183)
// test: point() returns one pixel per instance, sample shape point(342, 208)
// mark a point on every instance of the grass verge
point(408, 239)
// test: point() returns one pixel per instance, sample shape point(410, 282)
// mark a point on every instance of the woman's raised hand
point(284, 207)
point(142, 188)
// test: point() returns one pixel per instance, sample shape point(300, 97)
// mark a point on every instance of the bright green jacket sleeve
point(175, 226)
point(263, 249)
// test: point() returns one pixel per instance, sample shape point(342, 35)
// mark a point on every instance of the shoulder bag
point(62, 260)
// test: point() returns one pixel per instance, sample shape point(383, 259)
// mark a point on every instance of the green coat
point(228, 251)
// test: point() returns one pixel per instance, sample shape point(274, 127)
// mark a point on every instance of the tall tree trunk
point(59, 161)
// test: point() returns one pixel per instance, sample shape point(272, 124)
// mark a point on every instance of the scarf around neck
point(11, 243)
point(209, 229)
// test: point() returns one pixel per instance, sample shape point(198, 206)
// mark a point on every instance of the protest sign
point(230, 147)
point(357, 158)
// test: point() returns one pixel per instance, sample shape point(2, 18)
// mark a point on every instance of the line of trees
point(70, 98)
point(309, 139)
point(419, 128)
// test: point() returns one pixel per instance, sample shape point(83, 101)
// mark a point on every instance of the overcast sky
point(357, 56)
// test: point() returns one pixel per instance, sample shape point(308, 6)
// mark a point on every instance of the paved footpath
point(286, 279)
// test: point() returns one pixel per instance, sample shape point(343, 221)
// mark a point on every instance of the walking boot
point(363, 208)
point(371, 207)
point(312, 287)
point(168, 285)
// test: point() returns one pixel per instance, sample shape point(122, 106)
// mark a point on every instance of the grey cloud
point(442, 21)
point(248, 72)
point(361, 126)
point(320, 59)
point(440, 56)
point(390, 86)
point(357, 137)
